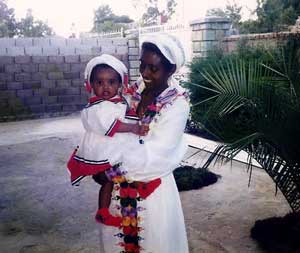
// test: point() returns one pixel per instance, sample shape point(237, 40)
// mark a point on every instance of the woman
point(162, 103)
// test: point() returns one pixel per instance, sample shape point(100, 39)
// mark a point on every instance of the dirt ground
point(41, 212)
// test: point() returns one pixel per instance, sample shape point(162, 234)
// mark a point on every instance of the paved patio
point(41, 212)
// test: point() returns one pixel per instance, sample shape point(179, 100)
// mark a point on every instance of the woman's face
point(153, 71)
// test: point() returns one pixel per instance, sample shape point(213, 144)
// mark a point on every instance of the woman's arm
point(163, 149)
point(134, 128)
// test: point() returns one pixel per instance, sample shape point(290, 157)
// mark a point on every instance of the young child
point(102, 119)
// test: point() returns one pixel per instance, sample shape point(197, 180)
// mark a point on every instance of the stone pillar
point(133, 55)
point(207, 34)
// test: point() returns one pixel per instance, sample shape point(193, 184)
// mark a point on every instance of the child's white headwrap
point(169, 46)
point(109, 60)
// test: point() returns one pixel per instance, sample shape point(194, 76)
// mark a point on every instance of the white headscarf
point(169, 46)
point(172, 49)
point(109, 60)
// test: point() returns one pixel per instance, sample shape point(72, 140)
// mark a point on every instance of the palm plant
point(255, 107)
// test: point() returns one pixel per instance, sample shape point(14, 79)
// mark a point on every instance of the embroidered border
point(152, 112)
point(130, 220)
point(128, 198)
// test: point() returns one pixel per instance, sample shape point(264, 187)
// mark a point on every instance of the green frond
point(254, 106)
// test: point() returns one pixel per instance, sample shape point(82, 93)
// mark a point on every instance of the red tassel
point(145, 189)
point(103, 216)
point(88, 87)
point(126, 80)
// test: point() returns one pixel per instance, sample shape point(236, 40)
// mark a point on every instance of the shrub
point(198, 95)
point(278, 234)
point(190, 178)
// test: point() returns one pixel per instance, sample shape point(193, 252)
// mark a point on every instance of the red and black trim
point(87, 161)
point(131, 114)
point(132, 118)
point(90, 104)
point(77, 180)
point(97, 100)
point(113, 128)
point(80, 167)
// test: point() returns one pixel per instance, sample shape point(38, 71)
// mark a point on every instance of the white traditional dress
point(159, 217)
point(154, 224)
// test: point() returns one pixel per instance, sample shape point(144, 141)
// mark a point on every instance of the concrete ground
point(41, 212)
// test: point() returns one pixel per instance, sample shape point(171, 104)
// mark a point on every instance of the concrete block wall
point(60, 46)
point(42, 77)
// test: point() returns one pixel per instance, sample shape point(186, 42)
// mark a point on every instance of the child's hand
point(143, 130)
point(140, 130)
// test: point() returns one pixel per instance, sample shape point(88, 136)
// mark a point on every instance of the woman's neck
point(148, 97)
point(154, 92)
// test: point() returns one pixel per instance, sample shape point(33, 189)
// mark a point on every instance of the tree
point(218, 12)
point(7, 20)
point(170, 10)
point(249, 26)
point(255, 106)
point(155, 16)
point(29, 27)
point(273, 16)
point(151, 16)
point(103, 13)
point(105, 20)
point(231, 11)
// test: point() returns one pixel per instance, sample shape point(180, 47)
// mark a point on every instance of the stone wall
point(267, 40)
point(210, 33)
point(44, 77)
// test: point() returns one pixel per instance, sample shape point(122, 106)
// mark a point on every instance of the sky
point(60, 14)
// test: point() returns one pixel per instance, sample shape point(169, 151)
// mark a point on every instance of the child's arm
point(137, 129)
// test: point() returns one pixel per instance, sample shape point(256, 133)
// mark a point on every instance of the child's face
point(106, 83)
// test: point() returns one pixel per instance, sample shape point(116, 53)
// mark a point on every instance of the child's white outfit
point(101, 146)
